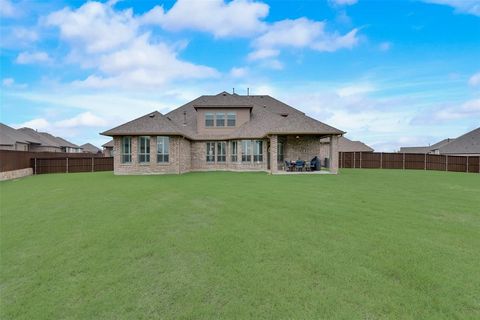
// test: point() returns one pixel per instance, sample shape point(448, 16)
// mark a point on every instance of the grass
point(366, 244)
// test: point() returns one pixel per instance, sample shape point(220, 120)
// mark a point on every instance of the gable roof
point(109, 144)
point(62, 142)
point(347, 145)
point(88, 147)
point(469, 143)
point(153, 123)
point(9, 136)
point(426, 149)
point(268, 116)
point(45, 140)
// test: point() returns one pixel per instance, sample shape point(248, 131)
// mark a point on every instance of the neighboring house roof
point(469, 143)
point(426, 149)
point(9, 136)
point(45, 140)
point(109, 144)
point(62, 142)
point(347, 145)
point(268, 116)
point(88, 147)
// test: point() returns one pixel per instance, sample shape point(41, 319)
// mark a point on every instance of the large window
point(220, 119)
point(210, 151)
point(231, 119)
point(221, 151)
point(234, 150)
point(209, 119)
point(258, 151)
point(246, 150)
point(280, 152)
point(126, 155)
point(144, 149)
point(163, 147)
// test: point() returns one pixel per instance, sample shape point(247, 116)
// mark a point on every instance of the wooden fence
point(383, 160)
point(68, 165)
point(51, 162)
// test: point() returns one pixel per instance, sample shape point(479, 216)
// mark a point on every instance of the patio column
point(273, 153)
point(333, 154)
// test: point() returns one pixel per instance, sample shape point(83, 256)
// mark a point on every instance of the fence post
point(425, 164)
point(404, 161)
point(381, 160)
point(67, 165)
point(35, 165)
point(93, 165)
point(467, 164)
point(446, 162)
point(354, 159)
point(360, 160)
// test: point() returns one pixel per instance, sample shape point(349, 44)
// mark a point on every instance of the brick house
point(222, 132)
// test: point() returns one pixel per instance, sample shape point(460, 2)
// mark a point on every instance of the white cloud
point(474, 80)
point(301, 33)
point(469, 109)
point(343, 2)
point(8, 82)
point(7, 9)
point(237, 72)
point(355, 89)
point(235, 18)
point(86, 119)
point(32, 57)
point(460, 6)
point(94, 27)
point(37, 124)
point(109, 42)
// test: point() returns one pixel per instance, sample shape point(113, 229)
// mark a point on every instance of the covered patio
point(303, 153)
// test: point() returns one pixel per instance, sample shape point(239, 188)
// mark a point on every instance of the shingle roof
point(347, 145)
point(469, 143)
point(88, 147)
point(268, 116)
point(426, 149)
point(10, 136)
point(45, 140)
point(109, 144)
point(62, 142)
point(153, 123)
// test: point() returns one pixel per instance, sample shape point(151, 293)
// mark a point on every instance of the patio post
point(333, 154)
point(273, 153)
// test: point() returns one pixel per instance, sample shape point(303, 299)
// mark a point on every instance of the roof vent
point(284, 115)
point(224, 94)
point(152, 115)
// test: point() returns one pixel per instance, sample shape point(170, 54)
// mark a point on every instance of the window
point(210, 151)
point(209, 119)
point(143, 149)
point(280, 156)
point(220, 119)
point(126, 150)
point(246, 150)
point(163, 146)
point(221, 151)
point(258, 152)
point(233, 150)
point(231, 119)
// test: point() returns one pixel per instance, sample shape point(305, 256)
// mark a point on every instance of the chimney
point(248, 91)
point(233, 90)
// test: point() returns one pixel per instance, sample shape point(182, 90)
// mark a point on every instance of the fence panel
point(50, 165)
point(79, 164)
point(436, 162)
point(371, 160)
point(103, 164)
point(474, 164)
point(392, 160)
point(457, 163)
point(414, 161)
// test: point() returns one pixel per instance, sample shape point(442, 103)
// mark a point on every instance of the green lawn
point(366, 244)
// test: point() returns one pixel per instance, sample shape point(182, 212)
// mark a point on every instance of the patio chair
point(315, 164)
point(288, 165)
point(299, 164)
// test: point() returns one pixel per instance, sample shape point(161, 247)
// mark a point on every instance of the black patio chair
point(315, 164)
point(299, 164)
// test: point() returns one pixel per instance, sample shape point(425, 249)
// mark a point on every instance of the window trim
point(165, 147)
point(258, 157)
point(210, 158)
point(234, 151)
point(247, 152)
point(234, 114)
point(212, 119)
point(125, 153)
point(147, 149)
point(221, 157)
point(218, 116)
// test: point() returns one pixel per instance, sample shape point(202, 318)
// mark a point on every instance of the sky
point(389, 73)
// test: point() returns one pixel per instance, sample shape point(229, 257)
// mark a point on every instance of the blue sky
point(389, 73)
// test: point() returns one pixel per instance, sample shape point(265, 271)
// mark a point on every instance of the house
point(48, 143)
point(465, 145)
point(222, 132)
point(90, 148)
point(65, 146)
point(347, 145)
point(108, 149)
point(433, 149)
point(12, 139)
